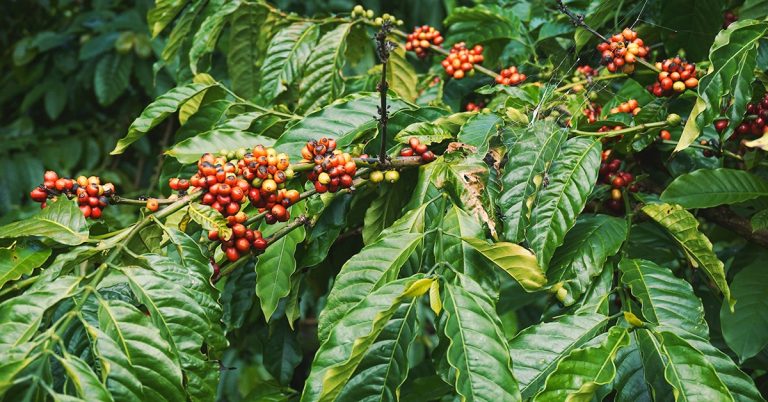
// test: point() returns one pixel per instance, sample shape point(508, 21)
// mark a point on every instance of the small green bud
point(369, 14)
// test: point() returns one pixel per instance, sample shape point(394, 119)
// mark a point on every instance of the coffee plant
point(545, 200)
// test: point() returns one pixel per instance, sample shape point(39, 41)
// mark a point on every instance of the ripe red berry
point(95, 212)
point(232, 254)
point(38, 194)
point(242, 244)
point(665, 135)
point(618, 182)
point(152, 205)
point(213, 235)
point(259, 243)
point(238, 230)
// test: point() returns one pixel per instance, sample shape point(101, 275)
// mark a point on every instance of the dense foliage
point(513, 202)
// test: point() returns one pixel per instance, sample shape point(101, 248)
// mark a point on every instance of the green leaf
point(385, 367)
point(667, 301)
point(112, 76)
point(653, 362)
point(463, 25)
point(733, 59)
point(451, 249)
point(55, 100)
point(189, 150)
point(684, 229)
point(740, 385)
point(21, 316)
point(180, 32)
point(190, 107)
point(538, 348)
point(156, 112)
point(477, 353)
point(287, 54)
point(83, 380)
point(529, 160)
point(326, 230)
point(401, 76)
point(630, 383)
point(690, 374)
point(282, 352)
point(371, 268)
point(746, 328)
point(342, 351)
point(707, 188)
point(274, 270)
point(163, 13)
point(571, 180)
point(753, 9)
point(384, 210)
point(579, 374)
point(138, 362)
point(248, 38)
point(61, 221)
point(344, 120)
point(207, 35)
point(430, 132)
point(182, 322)
point(759, 220)
point(21, 258)
point(515, 260)
point(585, 249)
point(237, 297)
point(696, 23)
point(324, 81)
point(479, 129)
point(209, 219)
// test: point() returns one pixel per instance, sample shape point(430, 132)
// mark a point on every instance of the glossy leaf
point(477, 353)
point(182, 323)
point(451, 249)
point(209, 219)
point(585, 249)
point(537, 349)
point(287, 54)
point(666, 300)
point(189, 150)
point(571, 180)
point(366, 271)
point(579, 374)
point(401, 76)
point(139, 362)
point(690, 374)
point(529, 159)
point(343, 120)
point(21, 316)
point(237, 297)
point(61, 221)
point(208, 33)
point(479, 129)
point(324, 82)
point(83, 380)
point(740, 385)
point(274, 270)
point(343, 350)
point(684, 229)
point(463, 24)
point(21, 258)
point(630, 383)
point(156, 112)
point(733, 59)
point(385, 367)
point(248, 39)
point(746, 328)
point(515, 260)
point(384, 210)
point(112, 76)
point(162, 14)
point(707, 188)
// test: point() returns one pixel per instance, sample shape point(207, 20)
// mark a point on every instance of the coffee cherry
point(615, 194)
point(392, 176)
point(376, 176)
point(665, 135)
point(242, 245)
point(38, 195)
point(152, 204)
point(232, 254)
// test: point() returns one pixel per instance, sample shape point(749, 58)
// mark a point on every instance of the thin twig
point(383, 47)
point(578, 20)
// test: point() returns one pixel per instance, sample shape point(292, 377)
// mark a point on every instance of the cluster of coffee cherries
point(592, 112)
point(611, 175)
point(757, 113)
point(462, 60)
point(92, 196)
point(630, 106)
point(333, 170)
point(676, 75)
point(474, 106)
point(242, 240)
point(416, 148)
point(421, 38)
point(621, 51)
point(510, 76)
